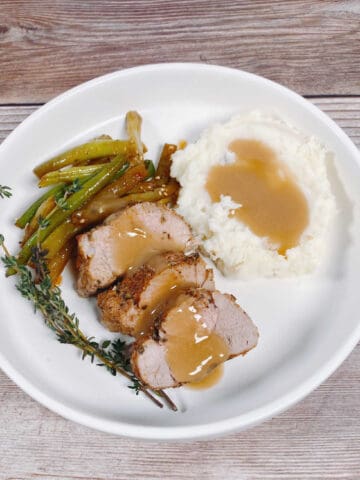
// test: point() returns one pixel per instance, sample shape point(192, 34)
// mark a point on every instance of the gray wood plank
point(345, 111)
point(317, 439)
point(49, 46)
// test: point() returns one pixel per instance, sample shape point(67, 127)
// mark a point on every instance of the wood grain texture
point(48, 46)
point(317, 439)
point(344, 111)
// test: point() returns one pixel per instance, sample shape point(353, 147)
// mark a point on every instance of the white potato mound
point(230, 243)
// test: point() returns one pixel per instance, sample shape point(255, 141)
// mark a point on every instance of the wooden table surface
point(48, 46)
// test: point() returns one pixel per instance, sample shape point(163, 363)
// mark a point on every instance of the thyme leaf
point(62, 196)
point(35, 286)
point(43, 222)
point(5, 191)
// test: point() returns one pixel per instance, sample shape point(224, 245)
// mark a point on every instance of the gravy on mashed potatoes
point(255, 189)
point(272, 204)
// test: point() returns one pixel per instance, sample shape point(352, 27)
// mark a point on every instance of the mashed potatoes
point(231, 243)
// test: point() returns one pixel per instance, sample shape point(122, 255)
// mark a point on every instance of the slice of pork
point(131, 306)
point(221, 314)
point(126, 240)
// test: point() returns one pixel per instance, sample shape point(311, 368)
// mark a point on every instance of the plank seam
point(310, 97)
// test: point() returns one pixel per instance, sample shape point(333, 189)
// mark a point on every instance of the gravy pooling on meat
point(138, 244)
point(210, 380)
point(163, 297)
point(126, 240)
point(273, 205)
point(192, 349)
point(133, 305)
point(210, 328)
point(161, 300)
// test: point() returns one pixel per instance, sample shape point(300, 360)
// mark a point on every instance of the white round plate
point(307, 325)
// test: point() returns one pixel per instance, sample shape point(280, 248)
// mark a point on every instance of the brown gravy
point(161, 299)
point(210, 380)
point(137, 244)
point(192, 350)
point(273, 205)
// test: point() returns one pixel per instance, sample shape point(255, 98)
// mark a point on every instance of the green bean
point(86, 152)
point(164, 165)
point(133, 123)
point(150, 168)
point(81, 218)
point(68, 175)
point(96, 208)
point(148, 186)
point(57, 264)
point(166, 201)
point(59, 237)
point(113, 205)
point(43, 211)
point(75, 201)
point(27, 216)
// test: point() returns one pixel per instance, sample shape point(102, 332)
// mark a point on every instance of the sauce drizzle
point(138, 245)
point(273, 205)
point(193, 350)
point(210, 380)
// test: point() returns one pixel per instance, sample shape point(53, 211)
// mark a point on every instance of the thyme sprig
point(37, 288)
point(5, 191)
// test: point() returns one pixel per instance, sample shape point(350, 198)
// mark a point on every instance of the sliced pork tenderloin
point(131, 306)
point(128, 239)
point(219, 313)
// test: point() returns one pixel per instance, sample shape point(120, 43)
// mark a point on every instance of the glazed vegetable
point(31, 211)
point(69, 175)
point(43, 211)
point(164, 165)
point(147, 186)
point(58, 193)
point(83, 218)
point(86, 152)
point(150, 167)
point(75, 201)
point(96, 209)
point(166, 201)
point(111, 205)
point(57, 264)
point(59, 237)
point(125, 183)
point(97, 190)
point(133, 123)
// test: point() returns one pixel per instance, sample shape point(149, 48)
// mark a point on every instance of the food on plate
point(87, 183)
point(106, 201)
point(134, 303)
point(35, 286)
point(254, 196)
point(256, 190)
point(100, 177)
point(175, 355)
point(164, 165)
point(80, 194)
point(127, 240)
point(164, 294)
point(98, 148)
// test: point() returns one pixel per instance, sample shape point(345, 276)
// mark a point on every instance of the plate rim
point(212, 429)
